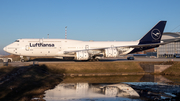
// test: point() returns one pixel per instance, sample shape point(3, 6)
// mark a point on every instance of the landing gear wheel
point(96, 59)
point(93, 60)
point(22, 60)
point(9, 60)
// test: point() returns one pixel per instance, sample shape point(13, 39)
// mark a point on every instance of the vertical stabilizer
point(154, 35)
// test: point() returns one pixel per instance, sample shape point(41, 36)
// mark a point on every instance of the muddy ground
point(25, 83)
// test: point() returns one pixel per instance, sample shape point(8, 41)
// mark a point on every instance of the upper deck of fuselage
point(65, 40)
point(46, 40)
point(75, 42)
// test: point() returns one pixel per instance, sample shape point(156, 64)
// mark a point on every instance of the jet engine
point(111, 52)
point(82, 55)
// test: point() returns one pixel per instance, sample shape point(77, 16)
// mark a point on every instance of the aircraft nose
point(5, 48)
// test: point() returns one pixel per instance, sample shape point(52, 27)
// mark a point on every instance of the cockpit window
point(17, 41)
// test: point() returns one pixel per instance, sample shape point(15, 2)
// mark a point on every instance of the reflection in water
point(147, 88)
point(86, 92)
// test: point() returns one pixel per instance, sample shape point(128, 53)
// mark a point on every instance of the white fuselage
point(57, 47)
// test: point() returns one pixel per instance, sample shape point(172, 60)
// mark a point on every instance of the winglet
point(154, 35)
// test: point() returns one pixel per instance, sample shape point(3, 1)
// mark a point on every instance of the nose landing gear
point(23, 60)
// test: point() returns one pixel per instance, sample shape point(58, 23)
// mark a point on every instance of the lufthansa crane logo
point(156, 34)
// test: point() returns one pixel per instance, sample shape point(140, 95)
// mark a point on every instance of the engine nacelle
point(82, 55)
point(111, 52)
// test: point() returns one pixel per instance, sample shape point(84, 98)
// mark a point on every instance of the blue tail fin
point(154, 35)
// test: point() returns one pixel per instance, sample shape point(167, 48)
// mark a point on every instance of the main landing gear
point(93, 59)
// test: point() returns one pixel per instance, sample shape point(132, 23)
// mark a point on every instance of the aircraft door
point(27, 47)
point(59, 47)
point(15, 50)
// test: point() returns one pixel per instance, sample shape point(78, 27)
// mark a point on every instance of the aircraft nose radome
point(5, 48)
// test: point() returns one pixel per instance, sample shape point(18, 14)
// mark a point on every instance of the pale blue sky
point(99, 20)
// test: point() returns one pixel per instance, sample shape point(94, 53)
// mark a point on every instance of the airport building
point(170, 49)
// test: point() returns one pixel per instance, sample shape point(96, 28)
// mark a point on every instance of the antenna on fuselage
point(66, 32)
point(48, 36)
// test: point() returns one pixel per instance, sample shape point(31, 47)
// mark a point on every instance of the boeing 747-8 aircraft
point(85, 50)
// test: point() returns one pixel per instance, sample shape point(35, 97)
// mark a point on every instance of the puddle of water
point(127, 91)
point(91, 92)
